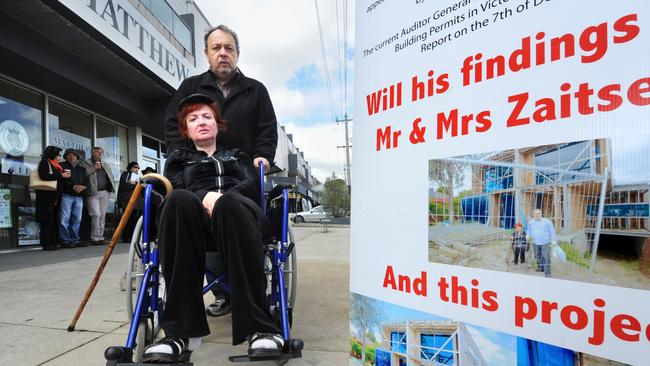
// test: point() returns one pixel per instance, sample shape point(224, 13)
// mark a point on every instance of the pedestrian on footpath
point(542, 232)
point(72, 201)
point(101, 185)
point(46, 203)
point(129, 178)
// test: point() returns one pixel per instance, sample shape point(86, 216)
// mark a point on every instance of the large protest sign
point(501, 202)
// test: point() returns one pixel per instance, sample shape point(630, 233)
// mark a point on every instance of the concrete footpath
point(40, 291)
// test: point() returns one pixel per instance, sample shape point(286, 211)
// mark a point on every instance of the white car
point(316, 214)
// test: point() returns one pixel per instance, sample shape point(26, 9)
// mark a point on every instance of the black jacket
point(77, 177)
point(46, 201)
point(247, 110)
point(124, 190)
point(200, 173)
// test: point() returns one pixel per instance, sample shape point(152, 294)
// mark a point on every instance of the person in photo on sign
point(518, 244)
point(542, 233)
point(72, 201)
point(46, 202)
point(242, 101)
point(213, 208)
point(101, 185)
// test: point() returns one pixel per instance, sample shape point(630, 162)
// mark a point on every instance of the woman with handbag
point(49, 170)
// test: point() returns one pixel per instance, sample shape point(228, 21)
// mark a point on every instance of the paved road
point(39, 293)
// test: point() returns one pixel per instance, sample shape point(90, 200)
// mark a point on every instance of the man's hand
point(78, 188)
point(66, 174)
point(98, 165)
point(209, 200)
point(257, 161)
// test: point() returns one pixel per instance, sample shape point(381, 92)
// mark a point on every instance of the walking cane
point(107, 254)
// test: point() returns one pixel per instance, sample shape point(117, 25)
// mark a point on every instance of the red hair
point(188, 108)
point(519, 224)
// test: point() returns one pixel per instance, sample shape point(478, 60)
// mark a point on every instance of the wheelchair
point(145, 305)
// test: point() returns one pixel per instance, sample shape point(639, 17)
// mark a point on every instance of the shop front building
point(84, 73)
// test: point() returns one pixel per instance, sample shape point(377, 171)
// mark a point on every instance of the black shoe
point(97, 242)
point(68, 245)
point(81, 244)
point(176, 351)
point(219, 307)
point(265, 345)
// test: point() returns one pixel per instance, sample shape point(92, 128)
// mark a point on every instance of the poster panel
point(502, 175)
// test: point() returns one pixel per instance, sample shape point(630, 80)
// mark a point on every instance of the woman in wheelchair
point(213, 208)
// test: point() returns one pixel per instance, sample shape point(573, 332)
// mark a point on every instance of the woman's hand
point(209, 200)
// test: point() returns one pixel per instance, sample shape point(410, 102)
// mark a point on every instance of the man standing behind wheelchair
point(213, 208)
point(243, 102)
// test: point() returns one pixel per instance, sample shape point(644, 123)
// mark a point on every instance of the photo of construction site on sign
point(576, 211)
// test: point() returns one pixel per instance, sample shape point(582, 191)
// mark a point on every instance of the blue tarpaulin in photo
point(533, 353)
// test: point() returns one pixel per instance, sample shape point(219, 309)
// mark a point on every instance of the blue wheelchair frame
point(148, 303)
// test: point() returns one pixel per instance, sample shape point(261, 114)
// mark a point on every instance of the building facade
point(427, 343)
point(84, 73)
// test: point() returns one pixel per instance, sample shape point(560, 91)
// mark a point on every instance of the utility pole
point(347, 150)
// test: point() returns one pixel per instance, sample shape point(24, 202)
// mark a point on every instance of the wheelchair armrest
point(276, 191)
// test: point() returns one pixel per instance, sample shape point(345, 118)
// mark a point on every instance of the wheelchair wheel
point(148, 328)
point(144, 338)
point(291, 272)
point(290, 281)
point(134, 267)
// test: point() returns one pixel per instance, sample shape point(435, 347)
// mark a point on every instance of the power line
point(327, 75)
point(338, 47)
point(345, 59)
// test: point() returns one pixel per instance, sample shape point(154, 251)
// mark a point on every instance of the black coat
point(200, 173)
point(46, 201)
point(124, 190)
point(247, 110)
point(77, 177)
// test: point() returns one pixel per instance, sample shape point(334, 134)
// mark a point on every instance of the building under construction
point(427, 343)
point(571, 183)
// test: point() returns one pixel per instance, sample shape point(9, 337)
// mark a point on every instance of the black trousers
point(520, 254)
point(48, 234)
point(236, 231)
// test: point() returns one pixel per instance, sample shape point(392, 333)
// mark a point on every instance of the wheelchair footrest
point(122, 356)
point(157, 364)
point(281, 356)
point(292, 349)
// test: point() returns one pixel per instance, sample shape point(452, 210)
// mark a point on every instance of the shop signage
point(121, 22)
point(489, 136)
point(5, 209)
point(14, 139)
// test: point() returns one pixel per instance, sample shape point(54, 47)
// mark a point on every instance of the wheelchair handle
point(262, 198)
point(160, 183)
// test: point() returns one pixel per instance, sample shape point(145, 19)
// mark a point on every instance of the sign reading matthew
point(507, 142)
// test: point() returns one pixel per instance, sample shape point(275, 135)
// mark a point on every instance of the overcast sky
point(280, 46)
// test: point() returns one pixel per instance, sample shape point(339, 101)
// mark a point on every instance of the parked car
point(316, 214)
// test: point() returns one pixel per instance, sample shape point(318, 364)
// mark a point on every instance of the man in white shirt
point(542, 232)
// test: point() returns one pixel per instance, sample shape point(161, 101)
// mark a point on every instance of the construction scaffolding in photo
point(427, 343)
point(476, 200)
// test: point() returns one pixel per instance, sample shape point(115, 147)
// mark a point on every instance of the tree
point(365, 317)
point(448, 175)
point(336, 198)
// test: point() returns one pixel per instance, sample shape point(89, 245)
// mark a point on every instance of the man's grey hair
point(222, 28)
point(537, 210)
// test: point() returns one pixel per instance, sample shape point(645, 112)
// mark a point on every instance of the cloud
point(288, 103)
point(319, 143)
point(280, 41)
point(495, 354)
